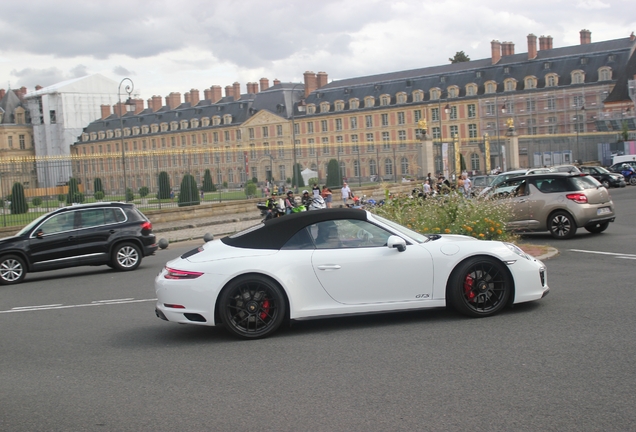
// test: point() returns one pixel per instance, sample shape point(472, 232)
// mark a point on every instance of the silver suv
point(556, 202)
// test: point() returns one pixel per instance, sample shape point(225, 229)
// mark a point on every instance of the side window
point(348, 233)
point(58, 223)
point(91, 218)
point(300, 240)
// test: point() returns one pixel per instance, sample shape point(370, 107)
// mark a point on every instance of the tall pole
point(128, 89)
point(295, 171)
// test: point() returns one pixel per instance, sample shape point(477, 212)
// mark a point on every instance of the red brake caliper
point(468, 287)
point(265, 306)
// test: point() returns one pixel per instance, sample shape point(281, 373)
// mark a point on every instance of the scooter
point(630, 175)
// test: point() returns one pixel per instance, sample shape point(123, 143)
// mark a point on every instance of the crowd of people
point(442, 185)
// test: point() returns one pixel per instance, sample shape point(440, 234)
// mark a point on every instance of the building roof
point(8, 104)
point(94, 83)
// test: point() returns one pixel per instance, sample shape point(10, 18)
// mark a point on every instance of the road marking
point(618, 255)
point(61, 306)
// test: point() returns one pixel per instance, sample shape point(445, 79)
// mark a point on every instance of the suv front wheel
point(126, 257)
point(561, 225)
point(12, 270)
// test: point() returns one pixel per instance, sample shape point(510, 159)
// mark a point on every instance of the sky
point(168, 46)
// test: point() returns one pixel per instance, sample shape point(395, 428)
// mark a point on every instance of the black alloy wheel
point(561, 225)
point(597, 228)
point(606, 184)
point(12, 270)
point(252, 307)
point(126, 257)
point(479, 287)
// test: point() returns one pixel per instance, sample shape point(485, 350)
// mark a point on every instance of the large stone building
point(551, 99)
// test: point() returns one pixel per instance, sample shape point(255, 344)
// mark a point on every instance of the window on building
point(368, 120)
point(265, 132)
point(310, 127)
point(474, 162)
point(453, 112)
point(354, 122)
point(325, 145)
point(324, 126)
point(356, 169)
point(417, 115)
point(355, 148)
point(491, 87)
point(296, 128)
point(434, 114)
point(401, 98)
point(453, 92)
point(385, 141)
point(250, 132)
point(530, 83)
point(312, 147)
point(388, 166)
point(578, 77)
point(404, 165)
point(436, 133)
point(401, 118)
point(510, 85)
point(338, 124)
point(531, 105)
point(52, 116)
point(370, 144)
point(490, 108)
point(402, 138)
point(339, 143)
point(385, 119)
point(605, 74)
point(385, 100)
point(472, 130)
point(354, 104)
point(215, 137)
point(10, 141)
point(454, 130)
point(226, 134)
point(373, 169)
point(279, 130)
point(266, 149)
point(509, 107)
point(418, 96)
point(578, 101)
point(472, 111)
point(471, 90)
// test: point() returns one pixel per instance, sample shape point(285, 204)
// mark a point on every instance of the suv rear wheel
point(126, 257)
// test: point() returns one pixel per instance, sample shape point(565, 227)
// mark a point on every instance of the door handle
point(328, 267)
point(112, 231)
point(71, 238)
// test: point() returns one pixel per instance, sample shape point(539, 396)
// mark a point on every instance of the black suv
point(115, 234)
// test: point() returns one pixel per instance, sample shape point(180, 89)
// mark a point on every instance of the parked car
point(606, 178)
point(557, 202)
point(510, 174)
point(340, 262)
point(565, 168)
point(480, 182)
point(114, 234)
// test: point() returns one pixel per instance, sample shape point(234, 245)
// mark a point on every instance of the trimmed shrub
point(250, 189)
point(18, 200)
point(36, 201)
point(164, 186)
point(144, 191)
point(73, 190)
point(208, 184)
point(97, 185)
point(333, 174)
point(189, 193)
point(130, 196)
point(99, 195)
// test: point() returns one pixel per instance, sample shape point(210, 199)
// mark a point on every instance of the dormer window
point(184, 124)
point(418, 96)
point(205, 121)
point(490, 87)
point(453, 92)
point(216, 120)
point(174, 125)
point(478, 74)
point(311, 109)
point(144, 129)
point(401, 98)
point(369, 102)
point(435, 94)
point(551, 80)
point(546, 65)
point(385, 100)
point(164, 127)
point(530, 83)
point(578, 77)
point(354, 103)
point(339, 105)
point(605, 74)
point(227, 119)
point(510, 84)
point(471, 90)
point(324, 107)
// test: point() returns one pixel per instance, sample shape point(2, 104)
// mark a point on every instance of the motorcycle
point(629, 174)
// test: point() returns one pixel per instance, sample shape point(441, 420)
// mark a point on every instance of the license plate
point(602, 211)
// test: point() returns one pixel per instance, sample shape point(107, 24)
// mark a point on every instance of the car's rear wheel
point(12, 270)
point(126, 257)
point(479, 287)
point(252, 307)
point(597, 228)
point(561, 225)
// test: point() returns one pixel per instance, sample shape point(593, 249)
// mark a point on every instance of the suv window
point(584, 182)
point(551, 185)
point(58, 223)
point(98, 217)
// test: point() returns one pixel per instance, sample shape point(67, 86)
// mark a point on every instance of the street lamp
point(577, 125)
point(503, 111)
point(129, 103)
point(301, 108)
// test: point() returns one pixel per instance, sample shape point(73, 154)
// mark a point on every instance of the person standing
point(467, 186)
point(327, 196)
point(346, 193)
point(426, 188)
point(315, 190)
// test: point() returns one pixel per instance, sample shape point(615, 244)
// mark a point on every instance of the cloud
point(122, 71)
point(30, 77)
point(592, 5)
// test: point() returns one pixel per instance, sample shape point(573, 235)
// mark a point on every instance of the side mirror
point(396, 242)
point(39, 234)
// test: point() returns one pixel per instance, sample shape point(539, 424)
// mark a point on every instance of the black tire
point(632, 181)
point(561, 225)
point(606, 184)
point(252, 307)
point(479, 287)
point(12, 270)
point(126, 257)
point(597, 228)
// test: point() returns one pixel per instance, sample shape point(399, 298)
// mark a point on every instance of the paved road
point(85, 352)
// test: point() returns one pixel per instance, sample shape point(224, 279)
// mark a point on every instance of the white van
point(623, 158)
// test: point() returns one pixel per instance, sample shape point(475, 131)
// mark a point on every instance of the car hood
point(217, 250)
point(9, 239)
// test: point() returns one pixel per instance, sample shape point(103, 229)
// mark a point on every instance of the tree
point(189, 193)
point(625, 130)
point(462, 163)
point(97, 185)
point(74, 195)
point(333, 174)
point(18, 200)
point(460, 57)
point(297, 179)
point(130, 196)
point(250, 189)
point(208, 184)
point(164, 186)
point(99, 195)
point(144, 191)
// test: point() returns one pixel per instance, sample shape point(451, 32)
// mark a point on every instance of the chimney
point(139, 105)
point(207, 94)
point(495, 49)
point(532, 47)
point(119, 108)
point(311, 82)
point(217, 93)
point(276, 81)
point(3, 92)
point(548, 41)
point(586, 37)
point(264, 84)
point(252, 88)
point(105, 111)
point(507, 48)
point(321, 79)
point(542, 43)
point(237, 91)
point(154, 103)
point(39, 87)
point(194, 97)
point(23, 91)
point(186, 97)
point(173, 100)
point(229, 91)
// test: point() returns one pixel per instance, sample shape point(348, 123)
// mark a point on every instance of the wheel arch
point(217, 314)
point(561, 210)
point(19, 253)
point(453, 273)
point(117, 242)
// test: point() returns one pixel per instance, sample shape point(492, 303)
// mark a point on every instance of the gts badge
point(421, 296)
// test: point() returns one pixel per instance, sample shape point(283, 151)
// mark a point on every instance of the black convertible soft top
point(274, 233)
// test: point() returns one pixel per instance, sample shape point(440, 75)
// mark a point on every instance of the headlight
point(516, 249)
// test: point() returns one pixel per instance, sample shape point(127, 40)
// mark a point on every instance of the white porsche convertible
point(340, 262)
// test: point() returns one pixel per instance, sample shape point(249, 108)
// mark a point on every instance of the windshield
point(31, 225)
point(602, 170)
point(407, 232)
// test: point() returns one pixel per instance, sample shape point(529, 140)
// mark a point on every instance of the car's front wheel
point(479, 287)
point(126, 257)
point(606, 184)
point(12, 270)
point(561, 225)
point(597, 228)
point(252, 307)
point(632, 181)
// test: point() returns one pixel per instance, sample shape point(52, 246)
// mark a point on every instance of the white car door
point(357, 267)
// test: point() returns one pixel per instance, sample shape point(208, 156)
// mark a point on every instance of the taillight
point(181, 274)
point(146, 226)
point(578, 198)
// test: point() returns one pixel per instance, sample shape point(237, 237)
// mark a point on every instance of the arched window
point(401, 98)
point(435, 94)
point(551, 80)
point(324, 107)
point(373, 169)
point(418, 96)
point(471, 90)
point(453, 92)
point(369, 102)
point(339, 105)
point(388, 166)
point(354, 103)
point(491, 87)
point(385, 100)
point(530, 83)
point(510, 84)
point(404, 165)
point(605, 74)
point(578, 77)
